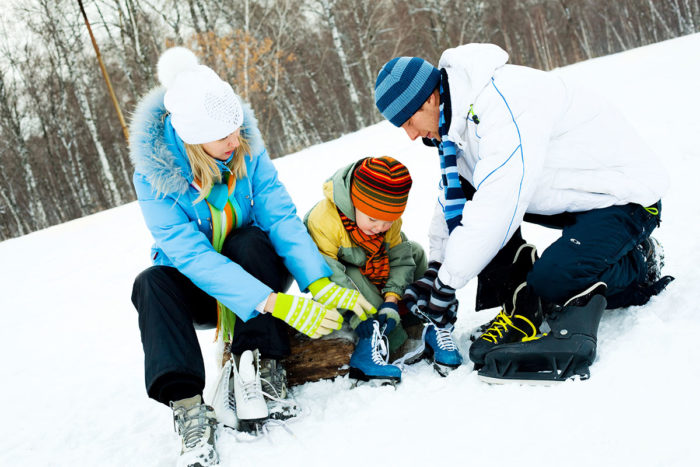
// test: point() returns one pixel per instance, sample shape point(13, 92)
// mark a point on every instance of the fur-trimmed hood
point(166, 168)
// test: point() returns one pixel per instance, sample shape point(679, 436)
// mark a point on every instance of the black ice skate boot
point(519, 321)
point(523, 260)
point(568, 350)
point(521, 314)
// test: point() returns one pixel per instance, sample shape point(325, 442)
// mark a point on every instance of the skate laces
point(501, 324)
point(495, 331)
point(192, 427)
point(444, 338)
point(251, 390)
point(277, 396)
point(444, 342)
point(380, 353)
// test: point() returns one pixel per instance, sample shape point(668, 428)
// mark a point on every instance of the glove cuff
point(390, 310)
point(442, 287)
point(389, 306)
point(317, 286)
point(283, 303)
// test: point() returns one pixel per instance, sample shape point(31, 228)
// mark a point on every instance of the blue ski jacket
point(182, 229)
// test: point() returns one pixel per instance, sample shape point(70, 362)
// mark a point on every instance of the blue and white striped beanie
point(403, 85)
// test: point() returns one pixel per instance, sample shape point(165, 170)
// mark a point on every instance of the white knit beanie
point(203, 108)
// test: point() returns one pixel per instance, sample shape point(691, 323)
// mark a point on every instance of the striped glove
point(334, 296)
point(442, 306)
point(307, 316)
point(417, 294)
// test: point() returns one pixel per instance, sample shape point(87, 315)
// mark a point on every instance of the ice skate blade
point(253, 427)
point(444, 370)
point(375, 383)
point(359, 375)
point(286, 413)
point(526, 382)
point(532, 379)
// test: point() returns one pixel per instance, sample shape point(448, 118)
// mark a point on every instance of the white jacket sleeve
point(511, 150)
point(438, 233)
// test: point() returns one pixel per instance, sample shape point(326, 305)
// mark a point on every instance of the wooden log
point(313, 359)
point(317, 359)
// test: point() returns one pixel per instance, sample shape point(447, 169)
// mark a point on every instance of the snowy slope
point(73, 366)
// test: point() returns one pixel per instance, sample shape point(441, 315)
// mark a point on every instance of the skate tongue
point(246, 369)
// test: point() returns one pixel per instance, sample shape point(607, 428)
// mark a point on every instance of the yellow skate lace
point(502, 323)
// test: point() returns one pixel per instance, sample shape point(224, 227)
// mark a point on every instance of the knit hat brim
point(403, 85)
point(202, 106)
point(380, 188)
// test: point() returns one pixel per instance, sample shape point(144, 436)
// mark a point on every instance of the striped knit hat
point(380, 187)
point(402, 86)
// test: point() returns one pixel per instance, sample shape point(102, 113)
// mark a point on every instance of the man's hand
point(417, 294)
point(442, 305)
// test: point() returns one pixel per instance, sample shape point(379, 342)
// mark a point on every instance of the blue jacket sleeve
point(191, 252)
point(276, 214)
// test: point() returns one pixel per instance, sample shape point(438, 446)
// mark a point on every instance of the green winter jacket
point(346, 257)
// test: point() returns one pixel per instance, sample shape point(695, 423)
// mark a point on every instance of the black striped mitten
point(417, 294)
point(442, 305)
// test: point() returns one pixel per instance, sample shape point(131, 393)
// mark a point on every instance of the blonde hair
point(206, 171)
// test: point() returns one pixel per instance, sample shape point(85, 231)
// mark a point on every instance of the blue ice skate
point(441, 348)
point(369, 360)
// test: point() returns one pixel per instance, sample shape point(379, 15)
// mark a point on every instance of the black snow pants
point(596, 245)
point(170, 307)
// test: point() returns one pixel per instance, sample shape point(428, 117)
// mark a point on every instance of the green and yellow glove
point(307, 316)
point(334, 296)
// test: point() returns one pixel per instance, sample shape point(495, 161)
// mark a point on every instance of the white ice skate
point(251, 409)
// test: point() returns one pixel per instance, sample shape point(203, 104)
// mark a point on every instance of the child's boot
point(369, 360)
point(441, 348)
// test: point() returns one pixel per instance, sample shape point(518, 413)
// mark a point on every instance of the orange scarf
point(376, 268)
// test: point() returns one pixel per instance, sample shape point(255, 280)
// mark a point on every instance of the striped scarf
point(224, 208)
point(376, 268)
point(454, 196)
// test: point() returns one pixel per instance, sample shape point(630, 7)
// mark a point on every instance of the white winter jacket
point(542, 145)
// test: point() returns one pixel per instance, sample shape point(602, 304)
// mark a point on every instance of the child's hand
point(334, 296)
point(387, 316)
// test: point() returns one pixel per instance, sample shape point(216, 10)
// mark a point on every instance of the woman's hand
point(304, 315)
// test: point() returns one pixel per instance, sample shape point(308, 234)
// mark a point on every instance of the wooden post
point(104, 73)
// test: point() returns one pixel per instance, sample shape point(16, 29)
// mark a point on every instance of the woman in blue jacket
point(227, 244)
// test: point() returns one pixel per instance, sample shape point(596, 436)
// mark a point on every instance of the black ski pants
point(596, 245)
point(171, 307)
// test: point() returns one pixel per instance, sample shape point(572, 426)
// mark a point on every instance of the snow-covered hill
point(72, 369)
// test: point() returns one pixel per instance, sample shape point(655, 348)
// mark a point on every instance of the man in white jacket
point(518, 144)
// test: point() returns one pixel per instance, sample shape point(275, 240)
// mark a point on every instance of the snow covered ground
point(72, 366)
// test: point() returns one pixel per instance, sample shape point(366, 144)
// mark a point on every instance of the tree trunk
point(344, 67)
